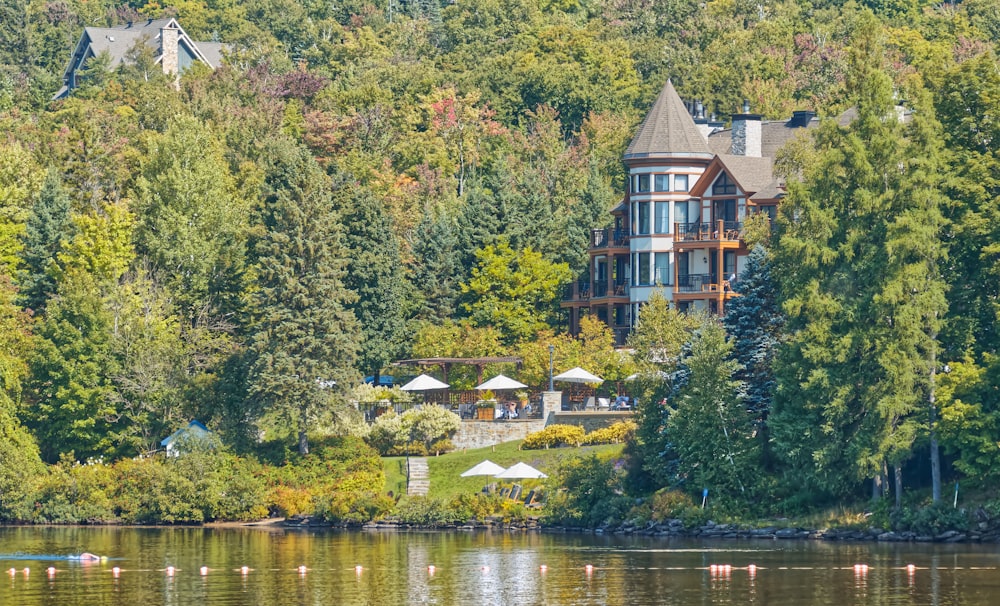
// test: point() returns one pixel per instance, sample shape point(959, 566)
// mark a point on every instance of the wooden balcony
point(608, 239)
point(721, 234)
point(576, 293)
point(604, 289)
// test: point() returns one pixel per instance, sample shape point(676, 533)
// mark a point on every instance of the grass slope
point(446, 469)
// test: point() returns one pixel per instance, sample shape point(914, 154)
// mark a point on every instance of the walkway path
point(419, 482)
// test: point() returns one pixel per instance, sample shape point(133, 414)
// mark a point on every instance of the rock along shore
point(673, 528)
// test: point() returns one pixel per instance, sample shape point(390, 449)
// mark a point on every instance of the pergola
point(446, 363)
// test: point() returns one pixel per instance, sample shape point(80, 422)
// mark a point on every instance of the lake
point(477, 568)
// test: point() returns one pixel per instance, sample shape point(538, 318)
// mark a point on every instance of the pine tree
point(305, 339)
point(754, 322)
point(710, 430)
point(49, 224)
point(374, 274)
point(862, 290)
point(437, 269)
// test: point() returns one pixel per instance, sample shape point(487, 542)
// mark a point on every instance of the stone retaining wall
point(589, 420)
point(480, 434)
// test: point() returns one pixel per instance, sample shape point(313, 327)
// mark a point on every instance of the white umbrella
point(578, 375)
point(520, 471)
point(486, 468)
point(424, 383)
point(500, 382)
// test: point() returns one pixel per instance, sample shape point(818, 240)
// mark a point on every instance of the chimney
point(801, 118)
point(169, 37)
point(746, 133)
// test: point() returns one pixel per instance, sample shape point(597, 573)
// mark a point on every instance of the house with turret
point(692, 183)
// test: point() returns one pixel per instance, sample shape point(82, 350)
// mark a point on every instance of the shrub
point(415, 430)
point(423, 511)
point(352, 507)
point(670, 504)
point(149, 491)
point(617, 433)
point(478, 506)
point(71, 493)
point(932, 520)
point(554, 436)
point(441, 447)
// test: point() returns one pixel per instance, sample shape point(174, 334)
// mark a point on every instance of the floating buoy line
point(717, 571)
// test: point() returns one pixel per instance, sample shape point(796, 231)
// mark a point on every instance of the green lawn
point(445, 470)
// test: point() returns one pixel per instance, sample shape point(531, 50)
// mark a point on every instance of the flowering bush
point(554, 436)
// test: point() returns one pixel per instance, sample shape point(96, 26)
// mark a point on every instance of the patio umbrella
point(424, 383)
point(486, 468)
point(577, 375)
point(519, 472)
point(500, 382)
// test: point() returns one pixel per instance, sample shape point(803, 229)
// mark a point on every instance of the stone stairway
point(419, 482)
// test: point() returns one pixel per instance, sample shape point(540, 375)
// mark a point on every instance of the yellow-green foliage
point(554, 436)
point(618, 433)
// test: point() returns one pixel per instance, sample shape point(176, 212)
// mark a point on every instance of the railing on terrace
point(600, 289)
point(708, 231)
point(608, 238)
point(696, 283)
point(462, 403)
point(621, 336)
point(577, 291)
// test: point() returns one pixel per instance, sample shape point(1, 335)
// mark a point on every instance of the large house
point(173, 50)
point(691, 185)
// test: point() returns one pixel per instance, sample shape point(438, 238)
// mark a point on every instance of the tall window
point(641, 183)
point(729, 263)
point(643, 227)
point(725, 210)
point(661, 183)
point(642, 265)
point(681, 212)
point(661, 218)
point(723, 186)
point(661, 269)
point(680, 182)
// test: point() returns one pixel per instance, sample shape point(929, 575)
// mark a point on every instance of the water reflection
point(477, 568)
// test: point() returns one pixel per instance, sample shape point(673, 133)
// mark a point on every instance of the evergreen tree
point(48, 225)
point(857, 258)
point(710, 430)
point(754, 322)
point(374, 274)
point(437, 268)
point(305, 339)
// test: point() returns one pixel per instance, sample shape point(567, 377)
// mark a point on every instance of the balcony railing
point(608, 238)
point(621, 336)
point(697, 283)
point(708, 231)
point(604, 288)
point(577, 291)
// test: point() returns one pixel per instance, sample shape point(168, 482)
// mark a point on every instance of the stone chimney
point(746, 133)
point(169, 38)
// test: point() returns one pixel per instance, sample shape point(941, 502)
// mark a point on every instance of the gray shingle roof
point(753, 174)
point(667, 130)
point(773, 135)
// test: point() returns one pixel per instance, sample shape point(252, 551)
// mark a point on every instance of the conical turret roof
point(668, 130)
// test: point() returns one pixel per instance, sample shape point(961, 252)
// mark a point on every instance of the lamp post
point(552, 349)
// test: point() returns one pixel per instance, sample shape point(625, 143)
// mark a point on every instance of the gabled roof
point(774, 190)
point(116, 41)
point(773, 135)
point(668, 130)
point(750, 173)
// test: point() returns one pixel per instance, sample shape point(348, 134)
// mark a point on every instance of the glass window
point(771, 211)
point(661, 269)
point(642, 183)
point(723, 185)
point(661, 183)
point(643, 264)
point(681, 212)
point(661, 218)
point(680, 182)
point(729, 264)
point(644, 217)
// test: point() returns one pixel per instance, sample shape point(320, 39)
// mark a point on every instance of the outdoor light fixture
point(552, 349)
